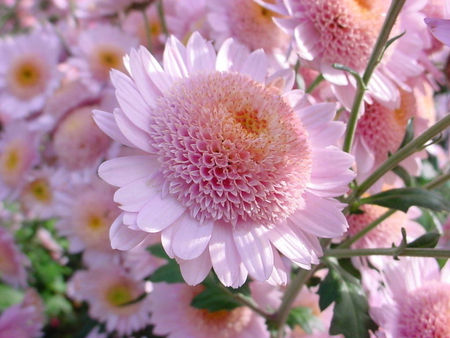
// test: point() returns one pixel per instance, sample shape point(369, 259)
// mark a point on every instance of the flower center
point(26, 78)
point(104, 58)
point(40, 189)
point(231, 149)
point(425, 312)
point(348, 28)
point(27, 74)
point(252, 25)
point(12, 162)
point(119, 295)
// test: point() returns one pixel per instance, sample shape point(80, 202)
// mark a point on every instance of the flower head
point(236, 166)
point(12, 261)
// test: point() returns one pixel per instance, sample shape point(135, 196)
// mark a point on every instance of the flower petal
point(195, 271)
point(123, 238)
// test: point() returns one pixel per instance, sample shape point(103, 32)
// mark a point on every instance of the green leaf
point(428, 240)
point(403, 174)
point(304, 317)
point(350, 315)
point(402, 199)
point(157, 250)
point(9, 296)
point(215, 299)
point(169, 273)
point(409, 134)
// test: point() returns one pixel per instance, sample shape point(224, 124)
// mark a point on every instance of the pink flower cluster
point(213, 130)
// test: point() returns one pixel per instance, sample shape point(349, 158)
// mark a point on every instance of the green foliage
point(428, 240)
point(350, 315)
point(304, 317)
point(9, 296)
point(169, 273)
point(403, 198)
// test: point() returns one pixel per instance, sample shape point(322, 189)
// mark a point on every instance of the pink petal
point(231, 56)
point(256, 66)
point(333, 75)
point(136, 136)
point(159, 213)
point(175, 58)
point(321, 217)
point(195, 271)
point(106, 122)
point(200, 54)
point(279, 274)
point(255, 250)
point(440, 28)
point(123, 238)
point(225, 258)
point(306, 38)
point(124, 170)
point(135, 195)
point(190, 238)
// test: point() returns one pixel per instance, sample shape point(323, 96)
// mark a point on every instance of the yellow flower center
point(109, 59)
point(27, 74)
point(119, 295)
point(95, 222)
point(40, 189)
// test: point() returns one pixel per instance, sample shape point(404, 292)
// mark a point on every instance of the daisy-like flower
point(18, 154)
point(113, 296)
point(248, 22)
point(28, 71)
point(235, 169)
point(325, 32)
point(411, 299)
point(13, 262)
point(100, 49)
point(24, 320)
point(86, 215)
point(174, 317)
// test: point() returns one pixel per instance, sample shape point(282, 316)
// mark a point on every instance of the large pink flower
point(237, 168)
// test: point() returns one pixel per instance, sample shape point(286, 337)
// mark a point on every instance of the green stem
point(411, 252)
point(148, 33)
point(162, 17)
point(315, 83)
point(375, 57)
point(289, 297)
point(399, 156)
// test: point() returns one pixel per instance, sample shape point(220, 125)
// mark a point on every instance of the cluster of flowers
point(217, 135)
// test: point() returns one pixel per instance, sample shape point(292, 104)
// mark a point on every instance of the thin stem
point(399, 156)
point(315, 83)
point(148, 32)
point(162, 17)
point(289, 297)
point(411, 252)
point(375, 57)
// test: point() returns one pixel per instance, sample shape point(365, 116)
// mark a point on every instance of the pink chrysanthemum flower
point(411, 299)
point(18, 154)
point(236, 169)
point(386, 233)
point(110, 293)
point(325, 32)
point(24, 320)
point(174, 317)
point(86, 215)
point(100, 49)
point(248, 22)
point(13, 262)
point(380, 132)
point(28, 71)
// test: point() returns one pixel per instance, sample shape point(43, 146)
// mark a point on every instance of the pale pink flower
point(100, 49)
point(18, 154)
point(13, 262)
point(411, 299)
point(174, 317)
point(440, 28)
point(385, 234)
point(249, 22)
point(86, 215)
point(235, 169)
point(110, 292)
point(24, 320)
point(326, 32)
point(28, 71)
point(380, 132)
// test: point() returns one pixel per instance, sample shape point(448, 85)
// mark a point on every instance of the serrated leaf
point(215, 298)
point(350, 315)
point(304, 317)
point(169, 273)
point(402, 199)
point(157, 250)
point(428, 240)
